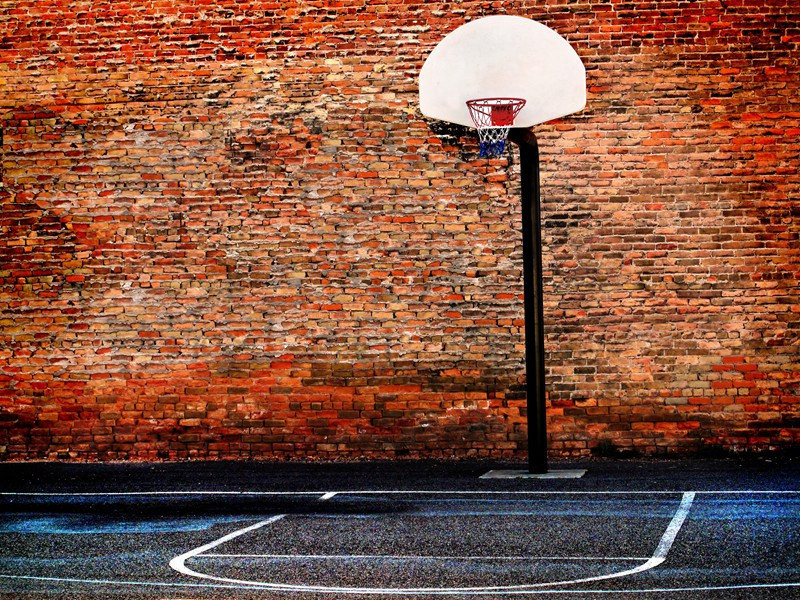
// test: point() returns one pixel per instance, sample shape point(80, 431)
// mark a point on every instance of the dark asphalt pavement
point(638, 529)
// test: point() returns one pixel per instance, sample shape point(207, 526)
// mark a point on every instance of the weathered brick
point(244, 240)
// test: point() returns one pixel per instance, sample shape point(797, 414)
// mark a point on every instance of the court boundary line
point(659, 556)
point(744, 586)
point(330, 494)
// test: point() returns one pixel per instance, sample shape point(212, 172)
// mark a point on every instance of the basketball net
point(494, 117)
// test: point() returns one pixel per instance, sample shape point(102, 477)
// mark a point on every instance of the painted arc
point(659, 556)
point(502, 56)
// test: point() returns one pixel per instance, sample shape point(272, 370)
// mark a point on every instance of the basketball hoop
point(494, 117)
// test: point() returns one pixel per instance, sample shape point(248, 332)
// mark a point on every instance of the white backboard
point(502, 56)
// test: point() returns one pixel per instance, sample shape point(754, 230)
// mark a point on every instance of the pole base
point(521, 474)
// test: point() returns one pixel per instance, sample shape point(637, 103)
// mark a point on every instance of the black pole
point(534, 305)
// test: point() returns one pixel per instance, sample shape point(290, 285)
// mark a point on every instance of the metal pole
point(534, 305)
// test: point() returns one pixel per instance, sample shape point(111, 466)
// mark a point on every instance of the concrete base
point(514, 474)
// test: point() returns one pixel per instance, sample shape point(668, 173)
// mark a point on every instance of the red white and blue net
point(494, 117)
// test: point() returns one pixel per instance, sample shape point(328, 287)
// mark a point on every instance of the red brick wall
point(227, 231)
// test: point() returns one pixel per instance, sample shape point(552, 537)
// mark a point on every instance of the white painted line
point(163, 493)
point(408, 493)
point(328, 496)
point(178, 563)
point(674, 527)
point(413, 557)
point(660, 554)
point(106, 582)
point(535, 492)
point(658, 557)
point(626, 591)
point(664, 546)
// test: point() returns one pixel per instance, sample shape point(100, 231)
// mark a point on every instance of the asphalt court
point(414, 533)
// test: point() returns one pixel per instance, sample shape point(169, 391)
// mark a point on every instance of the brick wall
point(227, 231)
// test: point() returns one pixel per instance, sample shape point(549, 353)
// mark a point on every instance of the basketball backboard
point(502, 56)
